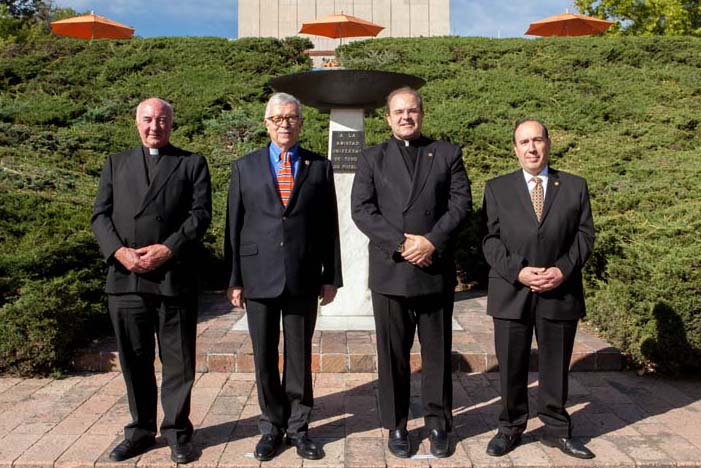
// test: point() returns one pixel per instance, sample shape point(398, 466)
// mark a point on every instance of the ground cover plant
point(623, 112)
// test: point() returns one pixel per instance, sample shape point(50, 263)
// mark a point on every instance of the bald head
point(154, 120)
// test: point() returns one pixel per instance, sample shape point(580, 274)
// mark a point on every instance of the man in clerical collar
point(410, 196)
point(283, 253)
point(152, 208)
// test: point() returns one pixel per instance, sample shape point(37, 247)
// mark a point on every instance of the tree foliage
point(647, 17)
point(623, 112)
point(24, 8)
point(65, 104)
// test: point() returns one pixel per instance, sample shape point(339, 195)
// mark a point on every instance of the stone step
point(222, 348)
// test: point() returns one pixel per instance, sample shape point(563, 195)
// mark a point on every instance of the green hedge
point(64, 105)
point(623, 112)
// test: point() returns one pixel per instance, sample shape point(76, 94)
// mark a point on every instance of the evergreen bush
point(623, 112)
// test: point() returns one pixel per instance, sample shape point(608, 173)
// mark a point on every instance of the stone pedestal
point(352, 306)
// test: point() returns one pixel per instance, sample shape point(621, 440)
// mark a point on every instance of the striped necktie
point(285, 181)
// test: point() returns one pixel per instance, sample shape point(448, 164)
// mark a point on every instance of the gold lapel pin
point(556, 184)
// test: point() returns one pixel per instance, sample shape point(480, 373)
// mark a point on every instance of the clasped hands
point(144, 259)
point(539, 279)
point(418, 250)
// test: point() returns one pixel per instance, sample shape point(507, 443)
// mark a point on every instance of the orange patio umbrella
point(91, 26)
point(340, 26)
point(568, 24)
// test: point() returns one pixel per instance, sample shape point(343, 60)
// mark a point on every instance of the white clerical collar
point(154, 151)
point(405, 143)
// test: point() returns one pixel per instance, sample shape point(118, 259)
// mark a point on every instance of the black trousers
point(285, 404)
point(136, 319)
point(555, 339)
point(396, 321)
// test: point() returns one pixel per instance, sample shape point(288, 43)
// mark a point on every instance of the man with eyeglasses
point(410, 195)
point(283, 254)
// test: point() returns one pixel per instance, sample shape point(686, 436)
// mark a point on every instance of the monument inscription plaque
point(345, 148)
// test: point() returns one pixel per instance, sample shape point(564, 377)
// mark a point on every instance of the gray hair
point(280, 99)
point(163, 102)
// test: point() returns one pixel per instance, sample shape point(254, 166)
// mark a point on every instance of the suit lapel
point(424, 163)
point(395, 170)
point(551, 193)
point(136, 169)
point(170, 160)
point(523, 194)
point(263, 173)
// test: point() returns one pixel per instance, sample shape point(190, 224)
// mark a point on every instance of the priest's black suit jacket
point(387, 202)
point(174, 210)
point(270, 248)
point(515, 239)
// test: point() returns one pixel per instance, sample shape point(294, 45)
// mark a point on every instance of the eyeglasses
point(278, 119)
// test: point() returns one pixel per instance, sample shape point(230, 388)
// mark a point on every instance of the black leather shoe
point(570, 447)
point(267, 447)
point(398, 443)
point(440, 447)
point(182, 452)
point(501, 444)
point(127, 449)
point(306, 448)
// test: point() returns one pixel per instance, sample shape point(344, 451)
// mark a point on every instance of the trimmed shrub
point(623, 112)
point(49, 318)
point(64, 106)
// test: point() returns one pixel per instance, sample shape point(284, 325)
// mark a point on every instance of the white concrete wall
point(249, 20)
point(439, 11)
point(401, 18)
point(268, 17)
point(419, 18)
point(287, 18)
point(382, 15)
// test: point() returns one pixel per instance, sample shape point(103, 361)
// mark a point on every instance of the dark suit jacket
point(269, 247)
point(174, 210)
point(387, 202)
point(514, 239)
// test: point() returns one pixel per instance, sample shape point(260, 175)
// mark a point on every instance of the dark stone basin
point(326, 89)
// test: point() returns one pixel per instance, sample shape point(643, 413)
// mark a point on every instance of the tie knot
point(537, 180)
point(285, 157)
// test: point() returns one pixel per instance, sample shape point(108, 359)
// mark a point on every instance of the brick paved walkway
point(221, 349)
point(628, 421)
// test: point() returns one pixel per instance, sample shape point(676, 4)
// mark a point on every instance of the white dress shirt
point(531, 183)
